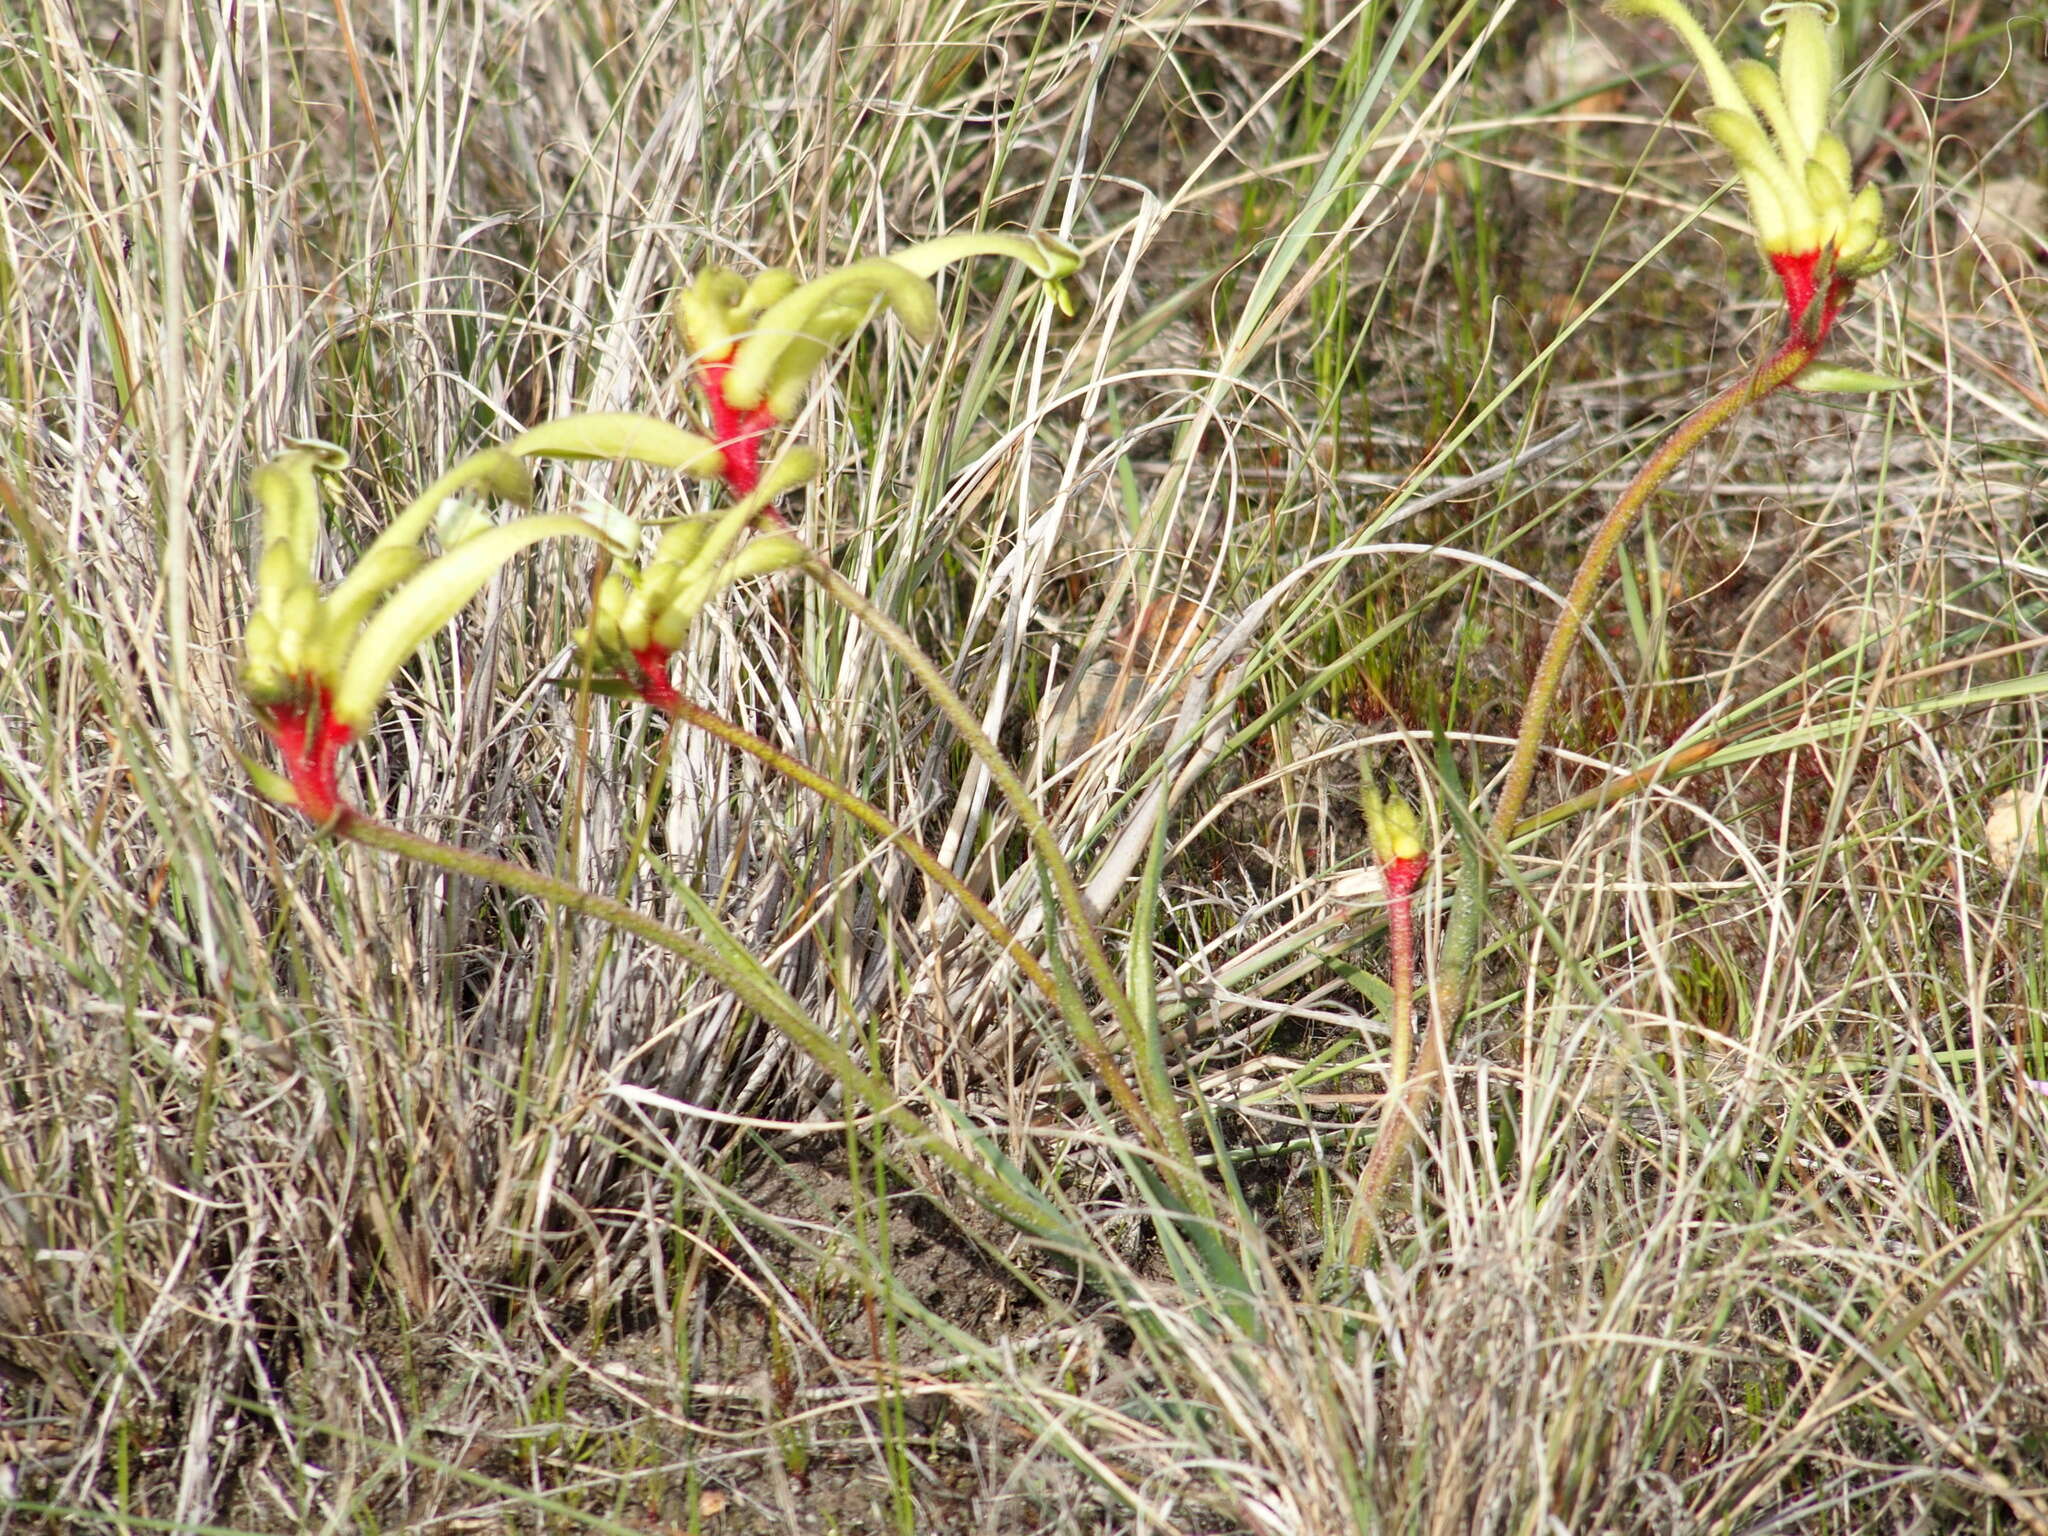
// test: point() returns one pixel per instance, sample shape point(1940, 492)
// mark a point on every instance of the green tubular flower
point(1819, 234)
point(620, 436)
point(425, 603)
point(756, 346)
point(317, 665)
point(1050, 260)
point(641, 616)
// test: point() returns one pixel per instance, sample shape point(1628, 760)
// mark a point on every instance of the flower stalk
point(766, 1002)
point(1153, 1109)
point(1395, 832)
point(1459, 955)
point(684, 712)
point(1820, 237)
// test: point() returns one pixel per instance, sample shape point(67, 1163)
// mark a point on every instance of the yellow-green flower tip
point(621, 436)
point(794, 336)
point(769, 553)
point(668, 631)
point(264, 677)
point(796, 467)
point(428, 601)
point(704, 311)
point(1392, 826)
point(1774, 123)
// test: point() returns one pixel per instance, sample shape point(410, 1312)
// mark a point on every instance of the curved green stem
point(1457, 960)
point(869, 816)
point(1157, 1117)
point(764, 1001)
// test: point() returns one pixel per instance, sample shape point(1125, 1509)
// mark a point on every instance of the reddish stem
point(1402, 876)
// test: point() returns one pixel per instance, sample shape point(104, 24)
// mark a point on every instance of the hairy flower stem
point(1403, 1110)
point(837, 794)
point(1157, 1117)
point(815, 1043)
point(1401, 955)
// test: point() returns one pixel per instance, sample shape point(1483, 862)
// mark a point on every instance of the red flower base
point(653, 685)
point(1809, 315)
point(1403, 875)
point(310, 740)
point(738, 433)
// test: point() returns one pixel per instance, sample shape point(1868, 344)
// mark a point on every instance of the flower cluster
point(756, 345)
point(642, 613)
point(316, 664)
point(1818, 232)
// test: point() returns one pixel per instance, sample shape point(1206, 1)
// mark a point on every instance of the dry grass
point(334, 1196)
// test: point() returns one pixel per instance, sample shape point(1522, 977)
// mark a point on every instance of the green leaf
point(1826, 378)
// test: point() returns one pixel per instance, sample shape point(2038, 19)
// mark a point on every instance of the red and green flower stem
point(1403, 1110)
point(1155, 1115)
point(737, 433)
point(1402, 876)
point(310, 739)
point(685, 712)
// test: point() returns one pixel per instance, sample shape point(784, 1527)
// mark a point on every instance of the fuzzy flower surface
point(1395, 832)
point(1818, 232)
point(642, 612)
point(756, 347)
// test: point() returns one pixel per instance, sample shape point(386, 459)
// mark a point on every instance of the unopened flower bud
point(771, 552)
point(297, 623)
point(1397, 842)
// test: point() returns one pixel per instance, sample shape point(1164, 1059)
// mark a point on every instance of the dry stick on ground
point(1403, 1113)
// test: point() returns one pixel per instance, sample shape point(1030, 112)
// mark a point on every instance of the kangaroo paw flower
point(1395, 832)
point(642, 613)
point(1819, 234)
point(758, 345)
point(317, 664)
